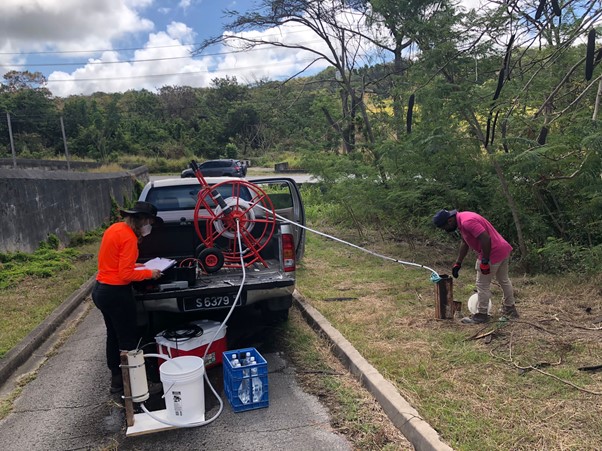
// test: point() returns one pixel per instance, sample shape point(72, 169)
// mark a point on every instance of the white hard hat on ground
point(472, 304)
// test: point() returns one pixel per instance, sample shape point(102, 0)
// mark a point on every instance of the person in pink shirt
point(493, 256)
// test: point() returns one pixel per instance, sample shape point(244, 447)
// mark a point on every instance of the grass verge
point(37, 285)
point(355, 414)
point(517, 387)
point(32, 287)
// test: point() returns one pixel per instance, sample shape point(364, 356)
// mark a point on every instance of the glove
point(485, 268)
point(456, 270)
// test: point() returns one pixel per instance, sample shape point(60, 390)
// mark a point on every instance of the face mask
point(146, 229)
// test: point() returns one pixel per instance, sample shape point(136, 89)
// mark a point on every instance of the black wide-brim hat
point(143, 209)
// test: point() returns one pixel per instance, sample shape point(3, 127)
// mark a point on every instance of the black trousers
point(118, 307)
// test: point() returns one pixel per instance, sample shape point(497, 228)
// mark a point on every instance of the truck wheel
point(275, 311)
point(211, 260)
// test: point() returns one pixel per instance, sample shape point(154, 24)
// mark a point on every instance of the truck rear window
point(170, 198)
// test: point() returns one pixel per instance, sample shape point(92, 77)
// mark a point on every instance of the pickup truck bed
point(269, 283)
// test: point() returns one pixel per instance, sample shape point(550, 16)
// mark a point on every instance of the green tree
point(33, 114)
point(327, 21)
point(19, 80)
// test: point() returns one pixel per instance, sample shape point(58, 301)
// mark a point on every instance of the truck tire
point(274, 317)
point(275, 311)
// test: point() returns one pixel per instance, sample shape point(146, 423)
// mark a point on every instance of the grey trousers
point(500, 272)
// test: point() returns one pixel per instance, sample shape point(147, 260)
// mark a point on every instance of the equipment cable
point(435, 277)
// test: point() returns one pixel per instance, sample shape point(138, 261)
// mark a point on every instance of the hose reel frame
point(223, 218)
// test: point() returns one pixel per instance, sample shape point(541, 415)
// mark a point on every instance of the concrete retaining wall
point(35, 203)
point(54, 165)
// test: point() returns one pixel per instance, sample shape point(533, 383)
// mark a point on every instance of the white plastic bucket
point(184, 390)
point(472, 304)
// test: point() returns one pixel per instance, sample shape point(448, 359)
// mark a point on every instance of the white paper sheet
point(158, 263)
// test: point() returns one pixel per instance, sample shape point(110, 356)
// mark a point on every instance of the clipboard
point(157, 263)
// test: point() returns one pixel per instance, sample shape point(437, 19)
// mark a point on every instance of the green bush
point(42, 263)
point(52, 242)
point(77, 239)
point(559, 256)
point(231, 151)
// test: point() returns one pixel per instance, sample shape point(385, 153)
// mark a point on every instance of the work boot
point(509, 311)
point(116, 383)
point(477, 318)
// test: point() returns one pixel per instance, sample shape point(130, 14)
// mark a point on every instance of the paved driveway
point(68, 407)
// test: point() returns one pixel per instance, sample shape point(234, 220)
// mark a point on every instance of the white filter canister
point(472, 304)
point(137, 370)
point(184, 390)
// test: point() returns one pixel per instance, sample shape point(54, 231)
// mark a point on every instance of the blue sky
point(85, 46)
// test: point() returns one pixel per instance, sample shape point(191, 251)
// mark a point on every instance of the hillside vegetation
point(473, 118)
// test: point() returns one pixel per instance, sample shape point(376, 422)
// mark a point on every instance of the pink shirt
point(471, 225)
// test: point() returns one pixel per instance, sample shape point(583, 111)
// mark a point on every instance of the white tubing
point(244, 277)
point(164, 357)
point(353, 245)
point(221, 403)
point(189, 425)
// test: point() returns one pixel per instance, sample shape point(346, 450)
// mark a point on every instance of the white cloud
point(33, 25)
point(165, 59)
point(171, 63)
point(165, 53)
point(181, 32)
point(279, 62)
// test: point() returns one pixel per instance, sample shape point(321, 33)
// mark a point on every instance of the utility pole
point(65, 143)
point(12, 143)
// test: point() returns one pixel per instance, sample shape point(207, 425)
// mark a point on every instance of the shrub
point(558, 256)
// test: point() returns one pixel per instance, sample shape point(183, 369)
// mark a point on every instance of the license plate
point(211, 301)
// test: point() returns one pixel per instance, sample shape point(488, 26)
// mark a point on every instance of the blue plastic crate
point(234, 377)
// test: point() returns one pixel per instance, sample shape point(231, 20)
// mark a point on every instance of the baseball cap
point(441, 217)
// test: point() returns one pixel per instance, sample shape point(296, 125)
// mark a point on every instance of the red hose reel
point(221, 212)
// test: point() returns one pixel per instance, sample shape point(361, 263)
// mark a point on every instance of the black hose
point(182, 333)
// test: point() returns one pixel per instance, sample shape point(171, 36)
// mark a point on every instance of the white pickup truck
point(190, 293)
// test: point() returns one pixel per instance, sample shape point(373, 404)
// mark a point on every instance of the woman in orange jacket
point(112, 293)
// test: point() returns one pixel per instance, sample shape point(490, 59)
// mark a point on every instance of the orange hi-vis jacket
point(117, 257)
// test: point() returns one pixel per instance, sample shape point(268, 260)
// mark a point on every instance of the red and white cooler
point(176, 343)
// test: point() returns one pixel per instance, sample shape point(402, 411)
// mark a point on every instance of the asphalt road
point(68, 406)
point(297, 177)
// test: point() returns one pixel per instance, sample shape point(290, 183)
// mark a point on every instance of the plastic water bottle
point(245, 386)
point(245, 361)
point(243, 392)
point(256, 384)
